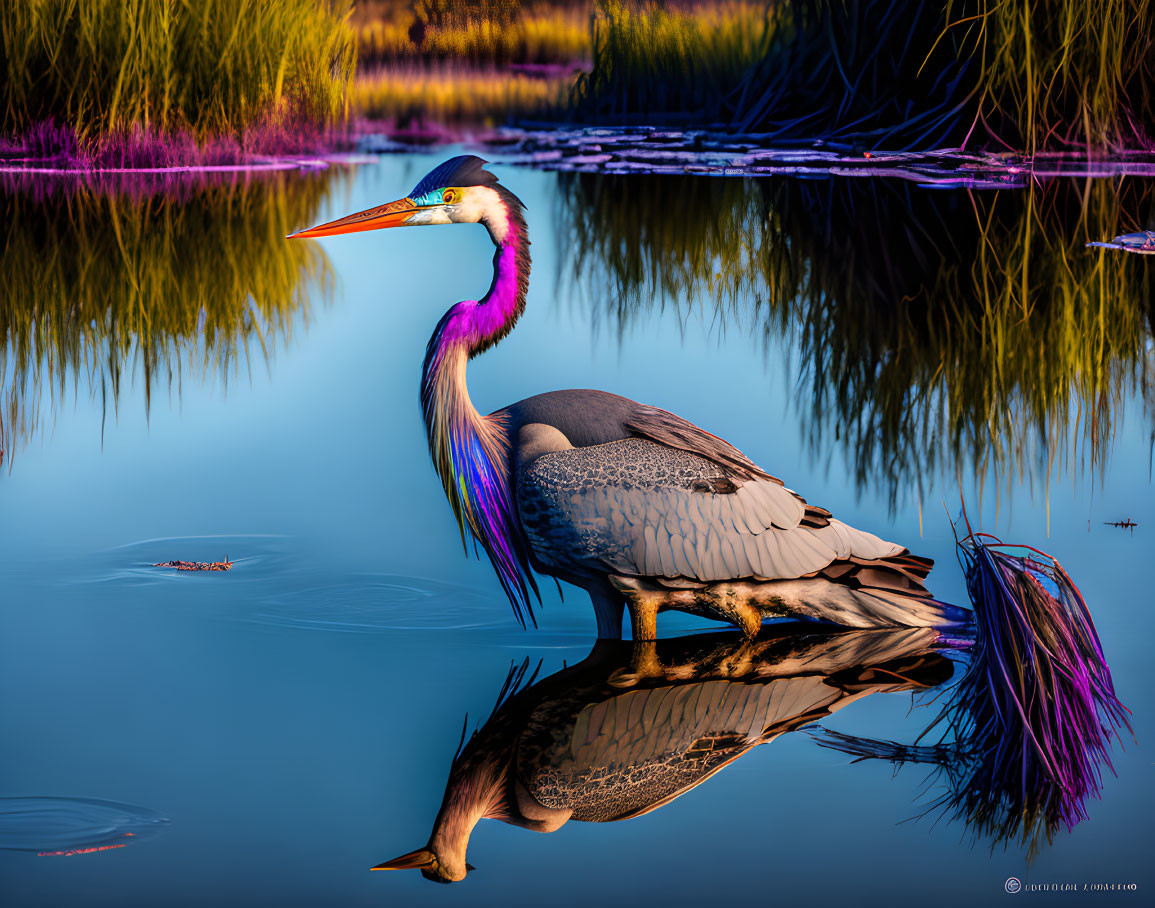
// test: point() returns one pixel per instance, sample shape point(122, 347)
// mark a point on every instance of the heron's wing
point(642, 508)
point(669, 429)
point(637, 751)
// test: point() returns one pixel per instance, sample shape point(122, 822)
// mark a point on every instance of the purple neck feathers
point(471, 452)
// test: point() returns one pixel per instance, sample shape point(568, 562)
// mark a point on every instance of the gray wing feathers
point(641, 749)
point(665, 428)
point(640, 508)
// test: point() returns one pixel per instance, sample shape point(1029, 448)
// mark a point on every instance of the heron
point(640, 508)
point(629, 729)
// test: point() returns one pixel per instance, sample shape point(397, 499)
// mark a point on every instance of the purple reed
point(1030, 724)
point(47, 143)
point(1036, 710)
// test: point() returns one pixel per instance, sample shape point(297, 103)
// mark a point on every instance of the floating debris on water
point(59, 827)
point(641, 149)
point(1142, 242)
point(197, 565)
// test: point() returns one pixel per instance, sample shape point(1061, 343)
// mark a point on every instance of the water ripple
point(67, 826)
point(255, 557)
point(374, 602)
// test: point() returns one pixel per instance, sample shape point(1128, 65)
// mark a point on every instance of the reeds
point(1031, 75)
point(162, 282)
point(655, 63)
point(548, 35)
point(208, 68)
point(1064, 74)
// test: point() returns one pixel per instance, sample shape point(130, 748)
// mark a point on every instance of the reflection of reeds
point(1036, 710)
point(99, 284)
point(1027, 732)
point(209, 67)
point(937, 331)
point(453, 94)
point(1013, 352)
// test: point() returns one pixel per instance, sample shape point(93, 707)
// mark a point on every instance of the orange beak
point(395, 214)
point(415, 860)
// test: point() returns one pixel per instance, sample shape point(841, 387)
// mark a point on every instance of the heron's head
point(459, 191)
point(443, 869)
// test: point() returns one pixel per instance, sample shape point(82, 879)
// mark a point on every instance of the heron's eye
point(449, 196)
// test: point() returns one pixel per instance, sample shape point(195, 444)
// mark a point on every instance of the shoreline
point(648, 150)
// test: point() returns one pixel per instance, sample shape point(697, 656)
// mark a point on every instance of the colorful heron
point(633, 504)
point(630, 729)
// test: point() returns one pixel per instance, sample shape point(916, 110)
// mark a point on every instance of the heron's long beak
point(395, 214)
point(415, 860)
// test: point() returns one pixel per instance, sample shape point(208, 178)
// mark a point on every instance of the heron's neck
point(474, 793)
point(471, 452)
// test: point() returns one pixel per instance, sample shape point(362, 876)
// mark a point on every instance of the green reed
point(934, 332)
point(1063, 73)
point(657, 63)
point(207, 67)
point(184, 281)
point(489, 32)
point(1034, 75)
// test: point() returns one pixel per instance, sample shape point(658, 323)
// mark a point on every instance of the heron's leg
point(644, 665)
point(644, 613)
point(608, 607)
point(644, 661)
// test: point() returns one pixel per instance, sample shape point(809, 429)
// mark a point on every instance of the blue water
point(295, 718)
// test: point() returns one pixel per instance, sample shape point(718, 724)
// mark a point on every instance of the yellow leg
point(643, 614)
point(644, 661)
point(644, 664)
point(749, 618)
point(732, 603)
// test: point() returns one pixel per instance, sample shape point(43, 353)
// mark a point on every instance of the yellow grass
point(549, 36)
point(455, 94)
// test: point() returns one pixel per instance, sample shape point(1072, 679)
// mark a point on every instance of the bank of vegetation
point(146, 82)
point(149, 81)
point(1027, 75)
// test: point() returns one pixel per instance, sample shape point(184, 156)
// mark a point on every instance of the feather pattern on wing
point(635, 752)
point(642, 508)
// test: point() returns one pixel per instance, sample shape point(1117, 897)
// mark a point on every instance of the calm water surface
point(179, 383)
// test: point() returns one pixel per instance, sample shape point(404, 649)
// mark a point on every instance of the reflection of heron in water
point(623, 733)
point(633, 504)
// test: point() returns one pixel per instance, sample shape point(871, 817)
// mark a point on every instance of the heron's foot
point(644, 665)
point(732, 603)
point(748, 619)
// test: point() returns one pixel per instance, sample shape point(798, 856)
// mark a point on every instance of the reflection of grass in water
point(1015, 351)
point(452, 94)
point(937, 331)
point(211, 67)
point(100, 284)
